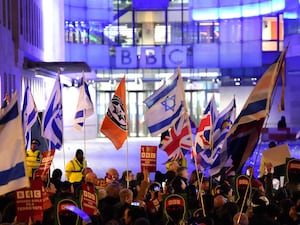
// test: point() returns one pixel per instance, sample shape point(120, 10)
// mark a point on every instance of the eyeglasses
point(110, 177)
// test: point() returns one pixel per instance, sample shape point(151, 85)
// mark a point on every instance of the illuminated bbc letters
point(151, 57)
point(126, 57)
point(175, 56)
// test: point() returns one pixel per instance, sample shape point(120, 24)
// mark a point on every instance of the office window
point(272, 33)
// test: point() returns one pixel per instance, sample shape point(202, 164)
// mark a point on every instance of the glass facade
point(146, 34)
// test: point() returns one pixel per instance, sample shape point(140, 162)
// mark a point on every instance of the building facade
point(222, 47)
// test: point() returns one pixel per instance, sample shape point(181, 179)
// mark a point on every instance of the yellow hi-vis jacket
point(74, 170)
point(33, 160)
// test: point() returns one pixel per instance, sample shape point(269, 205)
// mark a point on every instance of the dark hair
point(57, 173)
point(79, 151)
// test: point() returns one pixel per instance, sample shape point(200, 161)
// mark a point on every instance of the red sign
point(45, 165)
point(148, 158)
point(29, 202)
point(89, 199)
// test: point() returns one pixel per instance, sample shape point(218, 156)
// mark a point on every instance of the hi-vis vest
point(74, 170)
point(33, 160)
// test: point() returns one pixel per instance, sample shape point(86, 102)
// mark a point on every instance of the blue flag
point(165, 105)
point(85, 107)
point(29, 115)
point(12, 167)
point(52, 126)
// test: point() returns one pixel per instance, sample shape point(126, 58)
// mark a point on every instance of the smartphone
point(156, 188)
point(135, 203)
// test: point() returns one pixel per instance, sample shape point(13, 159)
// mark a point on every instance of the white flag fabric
point(85, 107)
point(52, 127)
point(12, 168)
point(29, 115)
point(165, 106)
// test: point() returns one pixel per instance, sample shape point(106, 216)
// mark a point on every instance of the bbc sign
point(151, 57)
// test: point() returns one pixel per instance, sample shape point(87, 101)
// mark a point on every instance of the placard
point(148, 158)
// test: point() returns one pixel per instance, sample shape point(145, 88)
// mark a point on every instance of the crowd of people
point(174, 197)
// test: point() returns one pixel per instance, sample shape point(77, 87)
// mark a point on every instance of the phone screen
point(135, 203)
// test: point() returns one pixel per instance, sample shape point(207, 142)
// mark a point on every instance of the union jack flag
point(176, 142)
point(205, 129)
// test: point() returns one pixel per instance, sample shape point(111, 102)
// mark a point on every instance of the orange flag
point(114, 125)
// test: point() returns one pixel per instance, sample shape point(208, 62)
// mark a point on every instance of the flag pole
point(191, 140)
point(84, 116)
point(127, 161)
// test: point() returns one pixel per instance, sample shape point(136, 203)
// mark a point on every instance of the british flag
point(176, 142)
point(205, 129)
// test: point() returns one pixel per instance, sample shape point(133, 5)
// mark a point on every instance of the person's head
point(182, 172)
point(127, 176)
point(111, 175)
point(57, 174)
point(126, 196)
point(113, 189)
point(219, 201)
point(79, 155)
point(242, 217)
point(66, 186)
point(193, 177)
point(132, 213)
point(91, 178)
point(172, 166)
point(35, 144)
point(86, 170)
point(272, 144)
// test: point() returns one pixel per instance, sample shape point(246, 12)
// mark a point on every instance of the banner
point(89, 199)
point(47, 158)
point(148, 158)
point(29, 202)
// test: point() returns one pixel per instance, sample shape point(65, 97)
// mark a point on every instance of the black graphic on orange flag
point(148, 158)
point(114, 125)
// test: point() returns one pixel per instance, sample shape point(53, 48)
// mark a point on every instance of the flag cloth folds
point(244, 134)
point(114, 125)
point(29, 115)
point(165, 105)
point(223, 123)
point(12, 168)
point(176, 142)
point(52, 126)
point(85, 107)
point(206, 125)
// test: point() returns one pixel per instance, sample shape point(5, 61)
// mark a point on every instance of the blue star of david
point(169, 103)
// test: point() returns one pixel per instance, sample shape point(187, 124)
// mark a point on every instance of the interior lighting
point(238, 11)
